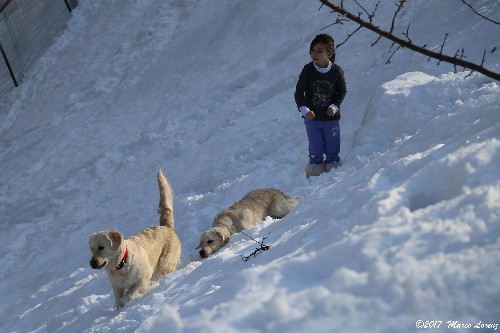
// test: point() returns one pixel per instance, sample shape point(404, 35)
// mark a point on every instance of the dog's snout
point(95, 264)
point(203, 254)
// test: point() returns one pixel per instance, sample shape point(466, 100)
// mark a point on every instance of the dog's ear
point(223, 234)
point(115, 238)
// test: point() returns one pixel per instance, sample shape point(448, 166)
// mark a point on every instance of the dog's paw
point(119, 304)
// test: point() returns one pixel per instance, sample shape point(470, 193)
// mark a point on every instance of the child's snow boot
point(333, 165)
point(313, 170)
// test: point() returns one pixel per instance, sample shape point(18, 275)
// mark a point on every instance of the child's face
point(319, 55)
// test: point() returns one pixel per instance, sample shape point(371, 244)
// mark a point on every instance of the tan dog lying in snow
point(252, 208)
point(133, 262)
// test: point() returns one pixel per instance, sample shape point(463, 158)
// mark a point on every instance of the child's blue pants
point(324, 139)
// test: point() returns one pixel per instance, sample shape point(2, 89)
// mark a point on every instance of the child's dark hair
point(327, 40)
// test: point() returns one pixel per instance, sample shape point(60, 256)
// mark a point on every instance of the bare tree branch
point(408, 44)
point(370, 15)
point(376, 41)
point(461, 57)
point(477, 13)
point(393, 52)
point(442, 47)
point(400, 6)
point(407, 33)
point(348, 36)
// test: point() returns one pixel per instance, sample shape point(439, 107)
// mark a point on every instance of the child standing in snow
point(320, 90)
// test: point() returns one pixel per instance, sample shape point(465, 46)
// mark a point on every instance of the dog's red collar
point(124, 260)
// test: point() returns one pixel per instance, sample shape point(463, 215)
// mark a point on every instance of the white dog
point(252, 208)
point(133, 262)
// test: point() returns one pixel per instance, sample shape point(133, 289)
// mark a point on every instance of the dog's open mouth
point(94, 264)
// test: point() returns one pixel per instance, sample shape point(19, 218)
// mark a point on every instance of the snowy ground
point(408, 229)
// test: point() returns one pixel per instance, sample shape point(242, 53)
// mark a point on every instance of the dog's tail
point(166, 206)
point(280, 208)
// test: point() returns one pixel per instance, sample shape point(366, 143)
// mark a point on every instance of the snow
point(406, 230)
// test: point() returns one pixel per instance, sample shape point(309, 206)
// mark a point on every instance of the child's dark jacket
point(318, 91)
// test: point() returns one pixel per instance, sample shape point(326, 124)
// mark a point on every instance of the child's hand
point(331, 111)
point(309, 116)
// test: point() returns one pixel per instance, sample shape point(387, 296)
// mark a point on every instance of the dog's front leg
point(138, 289)
point(119, 293)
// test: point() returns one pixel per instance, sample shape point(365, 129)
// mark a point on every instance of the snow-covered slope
point(407, 230)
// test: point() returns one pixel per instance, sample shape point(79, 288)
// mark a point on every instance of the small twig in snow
point(262, 247)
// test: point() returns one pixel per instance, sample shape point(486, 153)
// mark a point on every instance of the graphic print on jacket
point(318, 91)
point(323, 91)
